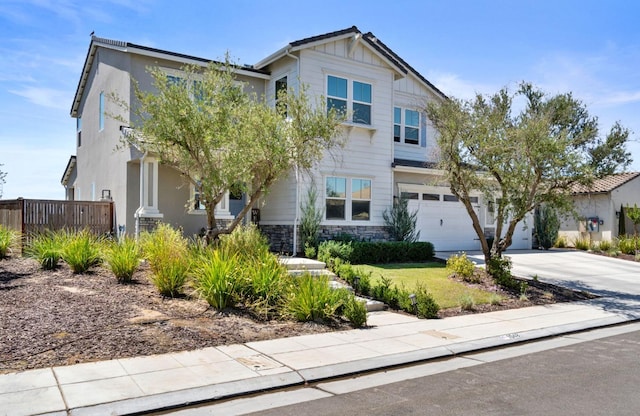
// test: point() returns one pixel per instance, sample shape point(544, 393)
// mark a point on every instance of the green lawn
point(434, 276)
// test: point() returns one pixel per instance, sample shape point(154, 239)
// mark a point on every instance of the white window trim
point(101, 111)
point(348, 209)
point(403, 125)
point(350, 100)
point(221, 211)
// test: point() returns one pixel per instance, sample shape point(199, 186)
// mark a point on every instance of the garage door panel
point(445, 224)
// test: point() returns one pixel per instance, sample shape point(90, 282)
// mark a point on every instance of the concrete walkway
point(164, 381)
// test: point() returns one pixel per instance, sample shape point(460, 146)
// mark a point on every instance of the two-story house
point(391, 149)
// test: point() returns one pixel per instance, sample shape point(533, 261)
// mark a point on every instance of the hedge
point(376, 252)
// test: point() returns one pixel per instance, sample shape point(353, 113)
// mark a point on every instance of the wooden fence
point(31, 216)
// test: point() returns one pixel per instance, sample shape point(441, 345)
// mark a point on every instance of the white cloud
point(46, 97)
point(455, 86)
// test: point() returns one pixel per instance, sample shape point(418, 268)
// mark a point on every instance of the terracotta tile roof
point(606, 184)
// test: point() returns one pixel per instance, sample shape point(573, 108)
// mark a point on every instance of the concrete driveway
point(616, 280)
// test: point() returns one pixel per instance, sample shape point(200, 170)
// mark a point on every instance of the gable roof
point(128, 47)
point(606, 184)
point(369, 36)
point(379, 48)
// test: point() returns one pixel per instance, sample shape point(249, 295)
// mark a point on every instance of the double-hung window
point(361, 103)
point(356, 96)
point(406, 126)
point(348, 198)
point(79, 130)
point(281, 90)
point(101, 112)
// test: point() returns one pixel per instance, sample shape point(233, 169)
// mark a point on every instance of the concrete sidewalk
point(164, 381)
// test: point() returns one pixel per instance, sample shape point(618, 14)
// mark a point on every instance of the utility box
point(593, 224)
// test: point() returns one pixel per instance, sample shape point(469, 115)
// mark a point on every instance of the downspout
point(297, 214)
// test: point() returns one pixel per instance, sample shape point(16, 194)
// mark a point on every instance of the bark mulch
point(52, 318)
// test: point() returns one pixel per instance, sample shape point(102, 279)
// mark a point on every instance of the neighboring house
point(391, 148)
point(598, 208)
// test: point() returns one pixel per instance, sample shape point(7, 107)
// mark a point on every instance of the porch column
point(148, 215)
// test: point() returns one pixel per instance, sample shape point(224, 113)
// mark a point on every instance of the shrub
point(82, 250)
point(246, 242)
point(264, 283)
point(345, 271)
point(495, 299)
point(170, 274)
point(216, 278)
point(8, 239)
point(605, 246)
point(356, 312)
point(310, 222)
point(581, 244)
point(386, 292)
point(312, 299)
point(400, 222)
point(162, 242)
point(123, 258)
point(167, 252)
point(364, 284)
point(628, 244)
point(334, 249)
point(310, 252)
point(500, 269)
point(561, 242)
point(375, 252)
point(461, 265)
point(427, 307)
point(46, 248)
point(467, 303)
point(523, 291)
point(546, 225)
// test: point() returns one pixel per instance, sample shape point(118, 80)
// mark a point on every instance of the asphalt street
point(588, 373)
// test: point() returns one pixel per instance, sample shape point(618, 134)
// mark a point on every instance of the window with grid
point(343, 95)
point(406, 126)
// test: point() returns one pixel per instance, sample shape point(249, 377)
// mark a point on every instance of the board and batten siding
point(368, 152)
point(411, 93)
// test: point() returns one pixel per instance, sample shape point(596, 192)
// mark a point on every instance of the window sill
point(368, 127)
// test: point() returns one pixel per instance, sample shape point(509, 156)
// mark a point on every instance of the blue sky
point(591, 48)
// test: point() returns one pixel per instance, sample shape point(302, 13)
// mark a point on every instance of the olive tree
point(218, 136)
point(519, 159)
point(3, 175)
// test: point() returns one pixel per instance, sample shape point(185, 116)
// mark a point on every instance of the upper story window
point(101, 110)
point(356, 96)
point(348, 198)
point(79, 130)
point(406, 126)
point(281, 88)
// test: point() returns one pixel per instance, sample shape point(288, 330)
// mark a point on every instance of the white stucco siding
point(629, 193)
point(99, 165)
point(604, 206)
point(588, 206)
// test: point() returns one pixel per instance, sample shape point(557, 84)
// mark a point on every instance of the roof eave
point(71, 164)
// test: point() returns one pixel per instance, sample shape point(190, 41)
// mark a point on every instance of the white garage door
point(443, 220)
